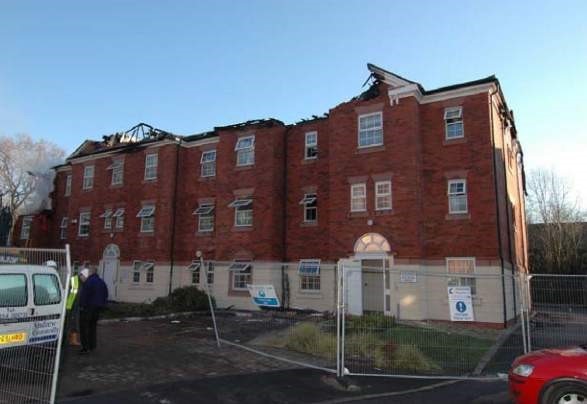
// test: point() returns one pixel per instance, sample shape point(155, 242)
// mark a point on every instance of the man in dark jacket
point(92, 299)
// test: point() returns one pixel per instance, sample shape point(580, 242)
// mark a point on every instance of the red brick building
point(408, 179)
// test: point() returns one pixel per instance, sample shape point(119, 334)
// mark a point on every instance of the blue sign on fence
point(264, 295)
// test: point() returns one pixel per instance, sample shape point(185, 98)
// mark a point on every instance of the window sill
point(458, 216)
point(149, 181)
point(358, 214)
point(309, 161)
point(238, 293)
point(205, 233)
point(87, 189)
point(207, 178)
point(244, 168)
point(146, 234)
point(242, 228)
point(116, 186)
point(370, 149)
point(458, 140)
point(384, 212)
point(310, 294)
point(309, 224)
point(81, 237)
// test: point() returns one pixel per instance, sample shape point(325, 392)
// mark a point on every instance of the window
point(117, 168)
point(310, 202)
point(241, 274)
point(147, 216)
point(245, 151)
point(88, 177)
point(457, 196)
point(208, 163)
point(143, 266)
point(13, 290)
point(25, 228)
point(63, 228)
point(311, 148)
point(358, 197)
point(371, 130)
point(309, 271)
point(68, 185)
point(383, 195)
point(195, 269)
point(210, 273)
point(243, 212)
point(107, 216)
point(453, 118)
point(119, 217)
point(46, 289)
point(84, 224)
point(205, 214)
point(460, 268)
point(151, 161)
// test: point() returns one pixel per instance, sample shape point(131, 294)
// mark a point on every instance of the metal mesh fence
point(436, 324)
point(558, 310)
point(32, 312)
point(292, 318)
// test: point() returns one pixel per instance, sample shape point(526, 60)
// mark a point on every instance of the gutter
point(173, 217)
point(497, 209)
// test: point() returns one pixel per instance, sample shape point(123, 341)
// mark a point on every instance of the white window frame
point(195, 269)
point(88, 182)
point(68, 180)
point(455, 278)
point(309, 282)
point(205, 211)
point(119, 216)
point(248, 151)
point(310, 202)
point(310, 147)
point(117, 168)
point(63, 228)
point(453, 120)
point(454, 195)
point(151, 166)
point(143, 266)
point(360, 131)
point(107, 216)
point(241, 269)
point(25, 227)
point(210, 273)
point(208, 166)
point(354, 198)
point(85, 219)
point(380, 195)
point(147, 216)
point(242, 205)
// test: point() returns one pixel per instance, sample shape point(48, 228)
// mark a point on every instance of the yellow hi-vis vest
point(73, 288)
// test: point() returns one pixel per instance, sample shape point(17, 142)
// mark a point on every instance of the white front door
point(109, 275)
point(353, 292)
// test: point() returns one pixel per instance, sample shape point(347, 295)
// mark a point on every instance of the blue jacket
point(94, 293)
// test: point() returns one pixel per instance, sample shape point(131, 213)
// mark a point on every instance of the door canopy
point(111, 251)
point(372, 243)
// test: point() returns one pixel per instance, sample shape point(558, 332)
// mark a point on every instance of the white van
point(31, 298)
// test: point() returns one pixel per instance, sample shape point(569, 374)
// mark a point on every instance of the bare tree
point(556, 230)
point(25, 175)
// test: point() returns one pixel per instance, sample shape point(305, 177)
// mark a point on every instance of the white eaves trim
point(196, 143)
point(412, 90)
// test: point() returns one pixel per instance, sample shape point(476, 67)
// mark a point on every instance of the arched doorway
point(373, 251)
point(110, 265)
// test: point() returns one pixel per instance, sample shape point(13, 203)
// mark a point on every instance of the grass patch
point(405, 357)
point(308, 338)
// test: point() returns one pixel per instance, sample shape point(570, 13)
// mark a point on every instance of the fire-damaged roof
point(137, 135)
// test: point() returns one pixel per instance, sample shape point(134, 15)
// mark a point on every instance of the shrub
point(362, 344)
point(308, 338)
point(404, 357)
point(189, 298)
point(371, 322)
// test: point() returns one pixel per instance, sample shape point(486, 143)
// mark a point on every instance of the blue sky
point(71, 70)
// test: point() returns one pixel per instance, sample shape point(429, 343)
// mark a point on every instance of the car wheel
point(566, 393)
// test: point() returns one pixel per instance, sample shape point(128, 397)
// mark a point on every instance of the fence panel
point(32, 316)
point(409, 323)
point(301, 330)
point(558, 315)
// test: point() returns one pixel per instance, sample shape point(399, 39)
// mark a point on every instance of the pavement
point(171, 362)
point(304, 386)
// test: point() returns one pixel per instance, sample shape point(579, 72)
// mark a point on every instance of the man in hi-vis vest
point(72, 307)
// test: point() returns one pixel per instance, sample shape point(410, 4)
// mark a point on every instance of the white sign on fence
point(460, 303)
point(408, 277)
point(264, 295)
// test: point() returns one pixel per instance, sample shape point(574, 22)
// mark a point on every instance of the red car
point(550, 376)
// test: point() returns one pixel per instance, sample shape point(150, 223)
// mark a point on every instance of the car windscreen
point(13, 290)
point(46, 289)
